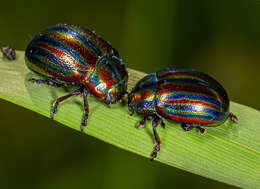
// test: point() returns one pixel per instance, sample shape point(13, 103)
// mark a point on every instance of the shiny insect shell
point(189, 97)
point(69, 55)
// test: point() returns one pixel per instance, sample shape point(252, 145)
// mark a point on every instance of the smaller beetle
point(8, 53)
point(189, 97)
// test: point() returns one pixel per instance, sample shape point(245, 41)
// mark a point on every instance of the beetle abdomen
point(191, 97)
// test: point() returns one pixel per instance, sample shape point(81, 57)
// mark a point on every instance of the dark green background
point(221, 38)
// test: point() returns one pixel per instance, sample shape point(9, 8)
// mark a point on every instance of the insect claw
point(82, 128)
point(52, 116)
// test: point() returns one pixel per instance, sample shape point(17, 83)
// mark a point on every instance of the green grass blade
point(229, 153)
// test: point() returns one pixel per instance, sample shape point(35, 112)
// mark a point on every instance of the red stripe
point(63, 56)
point(107, 78)
point(184, 120)
point(89, 57)
point(173, 88)
point(189, 102)
point(76, 78)
point(104, 45)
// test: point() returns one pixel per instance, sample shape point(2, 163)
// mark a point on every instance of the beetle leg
point(156, 121)
point(107, 101)
point(61, 99)
point(233, 117)
point(162, 124)
point(47, 82)
point(202, 130)
point(132, 112)
point(86, 109)
point(188, 127)
point(142, 122)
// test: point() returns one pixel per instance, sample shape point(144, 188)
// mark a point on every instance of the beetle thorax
point(108, 80)
point(142, 98)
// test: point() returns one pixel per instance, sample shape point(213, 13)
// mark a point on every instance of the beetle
point(8, 53)
point(69, 55)
point(189, 97)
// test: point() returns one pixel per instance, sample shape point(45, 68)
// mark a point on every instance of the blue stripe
point(47, 55)
point(188, 108)
point(145, 104)
point(37, 61)
point(45, 39)
point(204, 117)
point(195, 82)
point(68, 30)
point(189, 96)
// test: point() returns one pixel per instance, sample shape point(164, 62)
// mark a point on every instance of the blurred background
point(221, 38)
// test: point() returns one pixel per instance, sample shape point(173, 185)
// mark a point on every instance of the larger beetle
point(69, 55)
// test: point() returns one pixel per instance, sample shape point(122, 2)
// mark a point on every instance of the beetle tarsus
point(86, 109)
point(157, 139)
point(82, 128)
point(84, 122)
point(142, 122)
point(53, 112)
point(202, 130)
point(155, 152)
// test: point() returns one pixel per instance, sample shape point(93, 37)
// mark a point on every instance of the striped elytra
point(188, 97)
point(69, 55)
